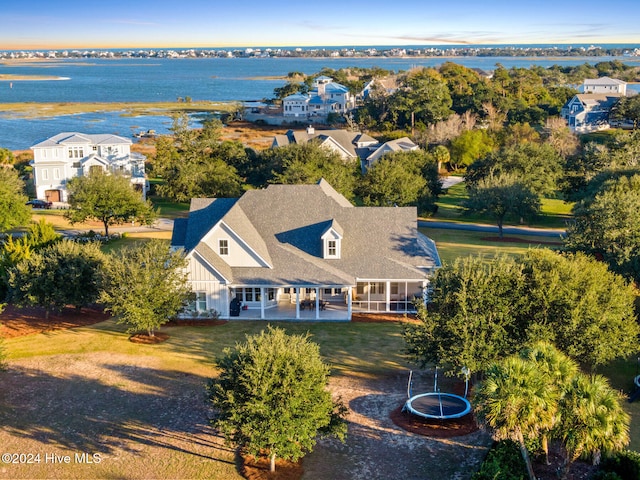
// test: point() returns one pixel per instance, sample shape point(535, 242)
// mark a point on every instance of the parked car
point(37, 203)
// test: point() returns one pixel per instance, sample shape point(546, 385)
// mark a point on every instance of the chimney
point(310, 130)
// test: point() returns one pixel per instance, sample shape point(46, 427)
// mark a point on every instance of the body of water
point(157, 80)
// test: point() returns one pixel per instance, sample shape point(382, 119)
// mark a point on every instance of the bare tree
point(495, 117)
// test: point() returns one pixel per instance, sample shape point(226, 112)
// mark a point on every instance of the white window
point(332, 248)
point(76, 152)
point(223, 245)
point(45, 174)
point(56, 174)
point(201, 301)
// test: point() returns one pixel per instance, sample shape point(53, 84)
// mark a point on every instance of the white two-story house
point(302, 252)
point(326, 97)
point(604, 85)
point(71, 154)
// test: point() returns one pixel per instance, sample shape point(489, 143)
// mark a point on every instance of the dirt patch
point(434, 428)
point(16, 322)
point(383, 317)
point(178, 322)
point(580, 470)
point(258, 469)
point(519, 240)
point(146, 339)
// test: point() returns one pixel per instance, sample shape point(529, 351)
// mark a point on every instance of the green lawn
point(168, 209)
point(460, 243)
point(554, 212)
point(360, 348)
point(621, 374)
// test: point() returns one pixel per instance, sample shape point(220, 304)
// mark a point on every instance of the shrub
point(626, 465)
point(503, 462)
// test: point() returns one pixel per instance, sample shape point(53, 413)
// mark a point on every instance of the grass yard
point(142, 409)
point(621, 374)
point(554, 212)
point(460, 243)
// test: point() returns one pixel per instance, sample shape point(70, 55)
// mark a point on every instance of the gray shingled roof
point(602, 100)
point(348, 141)
point(287, 222)
point(204, 213)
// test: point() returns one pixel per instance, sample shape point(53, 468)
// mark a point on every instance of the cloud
point(468, 38)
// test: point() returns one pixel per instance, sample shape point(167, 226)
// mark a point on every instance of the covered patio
point(326, 302)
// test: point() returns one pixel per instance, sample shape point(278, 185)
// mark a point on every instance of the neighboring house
point(349, 145)
point(403, 144)
point(302, 252)
point(588, 112)
point(326, 97)
point(604, 85)
point(387, 86)
point(71, 154)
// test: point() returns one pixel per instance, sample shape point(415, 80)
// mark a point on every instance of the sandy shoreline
point(5, 77)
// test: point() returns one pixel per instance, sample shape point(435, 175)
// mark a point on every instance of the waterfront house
point(71, 154)
point(604, 85)
point(302, 252)
point(325, 97)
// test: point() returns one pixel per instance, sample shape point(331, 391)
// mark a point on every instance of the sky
point(59, 24)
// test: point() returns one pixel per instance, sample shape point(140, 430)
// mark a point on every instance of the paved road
point(162, 224)
point(477, 227)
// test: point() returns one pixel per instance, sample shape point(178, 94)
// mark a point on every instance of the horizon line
point(390, 45)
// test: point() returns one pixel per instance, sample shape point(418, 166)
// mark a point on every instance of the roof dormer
point(332, 241)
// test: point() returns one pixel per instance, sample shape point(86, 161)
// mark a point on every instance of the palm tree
point(592, 420)
point(516, 402)
point(559, 370)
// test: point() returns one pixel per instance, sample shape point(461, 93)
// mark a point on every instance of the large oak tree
point(110, 199)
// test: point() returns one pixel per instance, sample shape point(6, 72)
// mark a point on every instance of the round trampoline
point(437, 405)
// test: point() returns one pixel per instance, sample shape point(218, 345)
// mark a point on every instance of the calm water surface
point(155, 80)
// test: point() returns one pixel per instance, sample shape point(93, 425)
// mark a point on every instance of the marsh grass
point(37, 110)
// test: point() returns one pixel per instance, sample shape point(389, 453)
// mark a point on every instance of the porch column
point(262, 291)
point(317, 303)
point(387, 295)
point(297, 303)
point(424, 291)
point(349, 302)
